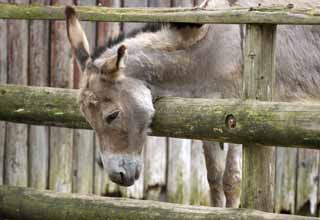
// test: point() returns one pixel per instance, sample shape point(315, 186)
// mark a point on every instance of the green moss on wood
point(263, 15)
point(30, 204)
point(264, 123)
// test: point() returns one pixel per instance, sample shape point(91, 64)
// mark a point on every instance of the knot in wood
point(231, 122)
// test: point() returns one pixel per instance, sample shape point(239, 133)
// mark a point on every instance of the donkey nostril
point(122, 178)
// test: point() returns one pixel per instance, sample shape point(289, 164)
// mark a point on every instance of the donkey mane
point(147, 28)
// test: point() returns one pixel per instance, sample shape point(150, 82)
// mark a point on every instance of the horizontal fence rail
point(25, 203)
point(224, 120)
point(235, 15)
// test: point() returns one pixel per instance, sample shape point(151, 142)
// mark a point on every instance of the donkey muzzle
point(123, 170)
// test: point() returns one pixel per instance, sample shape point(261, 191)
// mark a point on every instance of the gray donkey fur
point(119, 86)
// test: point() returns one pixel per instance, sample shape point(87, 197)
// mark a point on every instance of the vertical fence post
point(3, 80)
point(16, 151)
point(61, 139)
point(83, 140)
point(38, 155)
point(258, 176)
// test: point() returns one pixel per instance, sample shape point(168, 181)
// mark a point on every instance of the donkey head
point(118, 107)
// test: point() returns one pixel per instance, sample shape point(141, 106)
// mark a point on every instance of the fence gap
point(258, 177)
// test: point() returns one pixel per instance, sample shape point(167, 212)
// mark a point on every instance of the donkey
point(120, 83)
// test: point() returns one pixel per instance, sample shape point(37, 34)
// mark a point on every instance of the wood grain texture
point(16, 153)
point(235, 15)
point(258, 177)
point(307, 182)
point(286, 175)
point(3, 80)
point(264, 123)
point(83, 144)
point(63, 206)
point(179, 171)
point(155, 167)
point(61, 139)
point(39, 76)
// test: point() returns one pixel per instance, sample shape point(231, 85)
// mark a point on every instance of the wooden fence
point(25, 161)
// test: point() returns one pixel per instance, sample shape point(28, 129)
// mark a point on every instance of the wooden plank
point(263, 123)
point(200, 190)
point(286, 168)
point(102, 184)
point(258, 179)
point(16, 153)
point(234, 15)
point(39, 76)
point(83, 144)
point(63, 206)
point(307, 182)
point(155, 167)
point(179, 171)
point(3, 80)
point(61, 139)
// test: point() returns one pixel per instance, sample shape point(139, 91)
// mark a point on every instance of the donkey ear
point(111, 68)
point(121, 56)
point(77, 37)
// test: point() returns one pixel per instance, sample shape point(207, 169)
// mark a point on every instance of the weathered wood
point(200, 191)
point(307, 182)
point(258, 176)
point(235, 15)
point(155, 167)
point(83, 144)
point(61, 139)
point(24, 203)
point(16, 153)
point(83, 162)
point(3, 79)
point(38, 76)
point(286, 167)
point(264, 123)
point(179, 171)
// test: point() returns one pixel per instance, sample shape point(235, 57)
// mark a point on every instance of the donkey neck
point(164, 60)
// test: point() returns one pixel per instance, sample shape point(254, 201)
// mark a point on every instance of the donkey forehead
point(126, 90)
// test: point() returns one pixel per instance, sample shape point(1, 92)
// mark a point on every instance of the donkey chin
point(122, 169)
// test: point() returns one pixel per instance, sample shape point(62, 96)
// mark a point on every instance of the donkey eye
point(112, 116)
